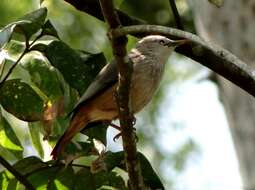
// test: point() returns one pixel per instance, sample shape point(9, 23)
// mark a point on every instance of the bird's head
point(156, 45)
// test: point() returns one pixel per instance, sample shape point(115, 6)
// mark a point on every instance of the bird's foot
point(116, 137)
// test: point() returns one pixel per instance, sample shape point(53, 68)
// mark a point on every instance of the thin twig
point(214, 57)
point(177, 17)
point(27, 49)
point(16, 174)
point(125, 116)
point(13, 66)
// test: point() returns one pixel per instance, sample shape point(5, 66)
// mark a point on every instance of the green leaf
point(217, 3)
point(9, 140)
point(21, 100)
point(13, 184)
point(7, 31)
point(44, 76)
point(29, 164)
point(41, 178)
point(27, 25)
point(39, 47)
point(83, 149)
point(36, 20)
point(49, 29)
point(151, 179)
point(5, 178)
point(15, 48)
point(110, 179)
point(114, 159)
point(96, 131)
point(64, 180)
point(84, 178)
point(34, 129)
point(77, 68)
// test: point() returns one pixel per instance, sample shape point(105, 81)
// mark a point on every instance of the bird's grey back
point(107, 77)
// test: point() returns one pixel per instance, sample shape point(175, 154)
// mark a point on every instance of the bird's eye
point(162, 42)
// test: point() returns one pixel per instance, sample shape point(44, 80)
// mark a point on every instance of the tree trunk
point(233, 27)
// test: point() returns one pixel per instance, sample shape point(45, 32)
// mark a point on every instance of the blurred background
point(184, 131)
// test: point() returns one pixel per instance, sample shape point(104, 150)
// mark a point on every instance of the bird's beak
point(176, 43)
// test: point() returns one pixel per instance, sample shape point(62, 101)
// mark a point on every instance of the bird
point(149, 57)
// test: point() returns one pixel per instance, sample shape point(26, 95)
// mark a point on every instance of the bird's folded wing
point(104, 80)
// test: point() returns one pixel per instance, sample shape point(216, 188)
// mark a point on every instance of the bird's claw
point(116, 137)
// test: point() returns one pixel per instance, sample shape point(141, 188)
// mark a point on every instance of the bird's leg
point(116, 137)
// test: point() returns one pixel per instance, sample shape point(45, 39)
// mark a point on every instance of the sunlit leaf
point(36, 20)
point(27, 25)
point(21, 100)
point(44, 76)
point(14, 47)
point(8, 139)
point(6, 32)
point(13, 184)
point(63, 180)
point(5, 179)
point(41, 178)
point(34, 129)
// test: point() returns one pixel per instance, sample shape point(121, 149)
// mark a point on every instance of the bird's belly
point(143, 87)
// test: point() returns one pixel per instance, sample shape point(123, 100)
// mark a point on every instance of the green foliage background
point(75, 29)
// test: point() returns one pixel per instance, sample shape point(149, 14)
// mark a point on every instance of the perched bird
point(98, 102)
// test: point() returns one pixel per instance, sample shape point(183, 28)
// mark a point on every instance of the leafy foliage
point(43, 88)
point(52, 76)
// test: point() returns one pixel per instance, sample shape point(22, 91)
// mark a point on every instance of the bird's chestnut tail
point(58, 148)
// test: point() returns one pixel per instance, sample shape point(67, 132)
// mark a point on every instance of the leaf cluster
point(41, 80)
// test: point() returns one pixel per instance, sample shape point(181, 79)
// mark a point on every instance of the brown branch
point(177, 17)
point(92, 7)
point(126, 117)
point(16, 174)
point(214, 57)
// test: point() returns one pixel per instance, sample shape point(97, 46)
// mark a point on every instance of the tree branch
point(92, 7)
point(214, 57)
point(126, 117)
point(177, 17)
point(16, 174)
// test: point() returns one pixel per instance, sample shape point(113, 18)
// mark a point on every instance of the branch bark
point(214, 57)
point(16, 174)
point(125, 68)
point(92, 7)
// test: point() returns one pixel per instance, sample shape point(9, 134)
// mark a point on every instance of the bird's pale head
point(157, 45)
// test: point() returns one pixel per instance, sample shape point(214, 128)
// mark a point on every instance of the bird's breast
point(145, 81)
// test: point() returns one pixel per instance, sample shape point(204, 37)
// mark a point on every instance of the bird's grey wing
point(105, 79)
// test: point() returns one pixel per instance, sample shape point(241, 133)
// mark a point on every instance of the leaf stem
point(27, 49)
